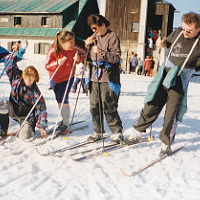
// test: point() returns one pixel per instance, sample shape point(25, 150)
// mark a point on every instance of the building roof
point(47, 32)
point(37, 6)
point(34, 6)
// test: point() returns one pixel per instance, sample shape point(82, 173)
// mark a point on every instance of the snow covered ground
point(32, 176)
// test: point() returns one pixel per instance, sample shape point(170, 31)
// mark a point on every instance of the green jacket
point(169, 81)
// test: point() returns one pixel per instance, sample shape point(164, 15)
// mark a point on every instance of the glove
point(98, 73)
point(24, 44)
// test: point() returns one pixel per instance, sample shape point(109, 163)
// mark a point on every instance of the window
point(45, 21)
point(10, 44)
point(135, 27)
point(4, 19)
point(17, 21)
point(41, 48)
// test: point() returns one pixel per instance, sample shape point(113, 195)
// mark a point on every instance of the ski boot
point(165, 150)
point(64, 130)
point(117, 138)
point(94, 137)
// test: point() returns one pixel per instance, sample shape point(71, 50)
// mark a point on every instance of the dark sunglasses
point(94, 28)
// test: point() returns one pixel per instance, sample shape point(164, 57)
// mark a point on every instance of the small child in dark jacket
point(24, 93)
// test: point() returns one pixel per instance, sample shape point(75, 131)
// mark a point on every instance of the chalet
point(38, 21)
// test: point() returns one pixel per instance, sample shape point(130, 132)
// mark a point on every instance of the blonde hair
point(62, 37)
point(31, 69)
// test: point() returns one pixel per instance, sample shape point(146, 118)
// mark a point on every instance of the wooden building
point(133, 19)
point(38, 21)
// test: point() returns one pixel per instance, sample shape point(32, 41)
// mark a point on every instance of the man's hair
point(190, 18)
point(99, 20)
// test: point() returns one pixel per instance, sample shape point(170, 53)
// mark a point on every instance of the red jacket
point(64, 71)
point(147, 64)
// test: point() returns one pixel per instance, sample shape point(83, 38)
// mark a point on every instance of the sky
point(184, 6)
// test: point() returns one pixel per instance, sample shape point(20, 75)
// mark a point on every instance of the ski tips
point(43, 154)
point(124, 173)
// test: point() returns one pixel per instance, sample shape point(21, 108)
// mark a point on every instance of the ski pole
point(182, 67)
point(99, 96)
point(78, 91)
point(64, 95)
point(150, 138)
point(35, 104)
point(11, 55)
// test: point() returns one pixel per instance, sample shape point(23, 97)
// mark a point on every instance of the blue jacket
point(134, 61)
point(113, 81)
point(169, 81)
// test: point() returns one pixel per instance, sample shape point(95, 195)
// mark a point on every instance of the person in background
point(130, 61)
point(152, 66)
point(83, 67)
point(134, 63)
point(139, 68)
point(150, 34)
point(79, 77)
point(147, 66)
point(24, 94)
point(159, 34)
point(104, 82)
point(150, 44)
point(62, 54)
point(155, 36)
point(169, 86)
point(120, 66)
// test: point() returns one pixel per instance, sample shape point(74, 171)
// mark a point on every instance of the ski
point(102, 150)
point(57, 135)
point(3, 139)
point(46, 140)
point(49, 131)
point(80, 144)
point(97, 148)
point(151, 163)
